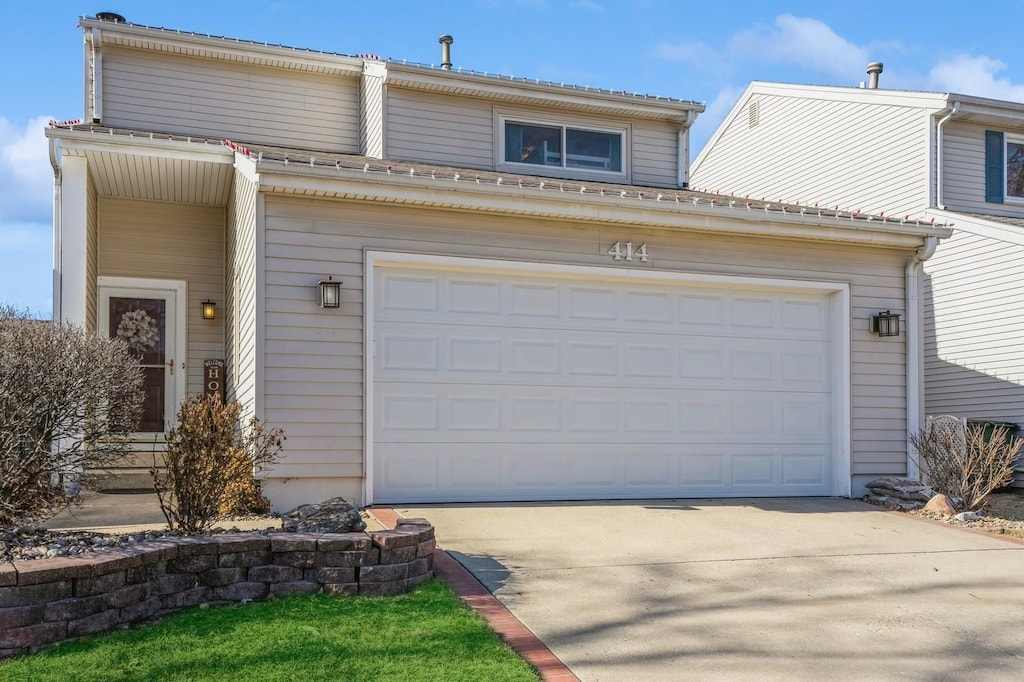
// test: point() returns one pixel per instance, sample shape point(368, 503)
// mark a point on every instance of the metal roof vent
point(753, 114)
point(111, 16)
point(874, 69)
point(446, 51)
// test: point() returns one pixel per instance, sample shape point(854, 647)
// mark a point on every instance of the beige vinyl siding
point(446, 130)
point(858, 156)
point(964, 172)
point(655, 154)
point(240, 316)
point(171, 241)
point(974, 364)
point(91, 239)
point(371, 116)
point(192, 96)
point(462, 131)
point(314, 358)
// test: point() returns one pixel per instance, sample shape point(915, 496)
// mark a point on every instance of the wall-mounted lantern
point(209, 310)
point(330, 293)
point(886, 324)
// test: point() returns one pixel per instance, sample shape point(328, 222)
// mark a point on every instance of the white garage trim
point(838, 292)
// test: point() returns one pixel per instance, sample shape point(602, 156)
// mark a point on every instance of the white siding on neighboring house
point(974, 327)
point(964, 172)
point(240, 285)
point(858, 156)
point(314, 357)
point(454, 131)
point(191, 96)
point(655, 153)
point(170, 241)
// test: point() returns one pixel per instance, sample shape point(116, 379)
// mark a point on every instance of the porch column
point(73, 251)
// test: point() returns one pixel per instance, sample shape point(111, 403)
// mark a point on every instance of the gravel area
point(1003, 514)
point(36, 542)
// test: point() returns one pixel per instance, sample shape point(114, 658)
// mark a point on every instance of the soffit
point(155, 173)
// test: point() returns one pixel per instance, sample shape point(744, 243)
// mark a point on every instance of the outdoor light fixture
point(886, 324)
point(330, 293)
point(209, 309)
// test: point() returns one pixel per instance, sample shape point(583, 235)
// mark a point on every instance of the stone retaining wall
point(50, 600)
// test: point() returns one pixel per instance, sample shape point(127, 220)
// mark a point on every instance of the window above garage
point(568, 150)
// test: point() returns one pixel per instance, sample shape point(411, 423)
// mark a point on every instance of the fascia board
point(420, 77)
point(550, 204)
point(741, 103)
point(900, 98)
point(979, 226)
point(166, 40)
point(141, 146)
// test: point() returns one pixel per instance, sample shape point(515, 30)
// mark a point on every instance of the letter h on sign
point(213, 378)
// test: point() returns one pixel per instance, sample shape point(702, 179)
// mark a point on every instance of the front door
point(147, 320)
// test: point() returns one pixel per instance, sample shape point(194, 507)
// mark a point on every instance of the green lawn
point(425, 635)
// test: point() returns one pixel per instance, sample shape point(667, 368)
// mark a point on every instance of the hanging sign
point(213, 378)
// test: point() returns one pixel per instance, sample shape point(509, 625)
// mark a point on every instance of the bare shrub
point(69, 401)
point(967, 469)
point(209, 458)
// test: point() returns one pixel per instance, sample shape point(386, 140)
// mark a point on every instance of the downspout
point(58, 231)
point(915, 347)
point(938, 155)
point(683, 151)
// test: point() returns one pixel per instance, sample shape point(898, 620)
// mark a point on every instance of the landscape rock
point(906, 489)
point(336, 515)
point(940, 504)
point(968, 516)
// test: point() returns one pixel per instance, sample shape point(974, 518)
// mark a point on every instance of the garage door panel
point(435, 472)
point(416, 352)
point(413, 296)
point(523, 386)
point(497, 414)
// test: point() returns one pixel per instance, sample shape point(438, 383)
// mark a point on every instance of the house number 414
point(625, 251)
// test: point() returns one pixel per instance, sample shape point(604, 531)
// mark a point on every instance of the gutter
point(938, 154)
point(915, 348)
point(58, 230)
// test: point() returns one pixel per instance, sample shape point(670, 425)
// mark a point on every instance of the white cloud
point(26, 177)
point(974, 75)
point(803, 41)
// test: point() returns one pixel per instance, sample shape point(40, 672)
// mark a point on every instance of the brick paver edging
point(45, 601)
point(472, 592)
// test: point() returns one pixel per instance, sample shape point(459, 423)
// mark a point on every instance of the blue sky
point(706, 52)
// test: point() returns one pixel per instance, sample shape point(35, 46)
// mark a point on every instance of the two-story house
point(947, 157)
point(451, 286)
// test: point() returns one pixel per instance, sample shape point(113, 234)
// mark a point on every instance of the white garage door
point(519, 386)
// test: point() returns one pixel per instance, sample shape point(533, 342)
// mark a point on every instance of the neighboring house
point(532, 304)
point(946, 157)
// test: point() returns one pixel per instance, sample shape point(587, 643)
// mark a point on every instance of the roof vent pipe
point(446, 51)
point(874, 68)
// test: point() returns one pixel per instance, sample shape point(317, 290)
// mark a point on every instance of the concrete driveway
point(747, 589)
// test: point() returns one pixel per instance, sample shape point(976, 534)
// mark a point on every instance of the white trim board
point(839, 294)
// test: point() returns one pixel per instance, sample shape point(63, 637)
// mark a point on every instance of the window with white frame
point(574, 148)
